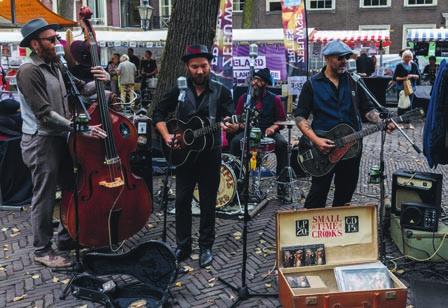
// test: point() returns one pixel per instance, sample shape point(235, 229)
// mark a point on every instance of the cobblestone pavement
point(25, 284)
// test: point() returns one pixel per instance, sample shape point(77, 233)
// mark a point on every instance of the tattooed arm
point(324, 145)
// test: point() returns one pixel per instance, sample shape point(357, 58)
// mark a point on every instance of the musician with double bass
point(332, 97)
point(46, 123)
point(212, 102)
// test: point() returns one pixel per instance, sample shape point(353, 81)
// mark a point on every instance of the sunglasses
point(346, 57)
point(51, 39)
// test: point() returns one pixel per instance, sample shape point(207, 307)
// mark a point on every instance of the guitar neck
point(360, 134)
point(206, 130)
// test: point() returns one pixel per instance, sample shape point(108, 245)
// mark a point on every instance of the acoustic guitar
point(347, 145)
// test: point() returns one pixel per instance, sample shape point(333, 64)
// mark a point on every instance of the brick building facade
point(394, 15)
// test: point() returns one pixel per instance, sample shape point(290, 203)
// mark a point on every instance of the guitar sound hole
point(188, 137)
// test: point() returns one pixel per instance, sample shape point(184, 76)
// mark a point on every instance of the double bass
point(113, 204)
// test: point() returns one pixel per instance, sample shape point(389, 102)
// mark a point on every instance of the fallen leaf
point(208, 268)
point(150, 226)
point(2, 269)
point(178, 284)
point(65, 281)
point(19, 298)
point(55, 279)
point(4, 229)
point(237, 238)
point(15, 234)
point(211, 285)
point(262, 241)
point(188, 268)
point(15, 230)
point(237, 233)
point(35, 276)
point(83, 306)
point(211, 280)
point(268, 285)
point(400, 271)
point(195, 256)
point(260, 233)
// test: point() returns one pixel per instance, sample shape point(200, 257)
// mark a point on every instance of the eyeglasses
point(51, 39)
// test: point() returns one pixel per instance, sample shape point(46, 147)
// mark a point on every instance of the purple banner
point(222, 46)
point(271, 56)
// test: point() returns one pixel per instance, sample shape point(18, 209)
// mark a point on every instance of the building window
point(374, 3)
point(321, 4)
point(165, 7)
point(420, 2)
point(238, 5)
point(98, 8)
point(273, 6)
point(129, 13)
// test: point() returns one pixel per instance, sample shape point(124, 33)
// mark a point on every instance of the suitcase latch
point(391, 295)
point(311, 300)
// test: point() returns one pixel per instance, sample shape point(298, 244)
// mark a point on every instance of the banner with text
point(222, 45)
point(271, 56)
point(296, 43)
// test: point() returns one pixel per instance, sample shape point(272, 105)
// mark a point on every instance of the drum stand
point(291, 193)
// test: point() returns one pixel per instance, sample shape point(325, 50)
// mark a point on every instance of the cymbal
point(286, 123)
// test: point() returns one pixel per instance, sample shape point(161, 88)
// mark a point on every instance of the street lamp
point(145, 12)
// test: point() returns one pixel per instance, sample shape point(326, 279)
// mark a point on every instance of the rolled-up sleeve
point(303, 108)
point(32, 85)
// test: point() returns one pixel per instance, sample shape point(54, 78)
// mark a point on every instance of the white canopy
point(427, 35)
point(256, 35)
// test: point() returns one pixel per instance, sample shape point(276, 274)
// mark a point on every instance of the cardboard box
point(349, 236)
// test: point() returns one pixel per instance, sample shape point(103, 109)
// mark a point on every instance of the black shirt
point(149, 66)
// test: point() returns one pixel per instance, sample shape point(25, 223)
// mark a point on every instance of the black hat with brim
point(32, 28)
point(264, 74)
point(196, 51)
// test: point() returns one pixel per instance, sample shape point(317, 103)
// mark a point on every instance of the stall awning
point(351, 37)
point(427, 35)
point(29, 9)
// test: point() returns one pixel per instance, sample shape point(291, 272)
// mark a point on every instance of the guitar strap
point(213, 98)
point(355, 98)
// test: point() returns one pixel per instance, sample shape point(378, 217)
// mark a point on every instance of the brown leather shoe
point(51, 259)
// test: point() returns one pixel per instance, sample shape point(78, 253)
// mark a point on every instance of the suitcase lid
point(349, 234)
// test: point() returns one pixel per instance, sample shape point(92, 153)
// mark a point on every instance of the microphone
point(182, 85)
point(351, 66)
point(253, 50)
point(60, 53)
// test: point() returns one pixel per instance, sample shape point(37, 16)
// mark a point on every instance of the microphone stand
point(385, 116)
point(243, 291)
point(73, 92)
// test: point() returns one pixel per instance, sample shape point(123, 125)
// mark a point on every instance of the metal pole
point(13, 12)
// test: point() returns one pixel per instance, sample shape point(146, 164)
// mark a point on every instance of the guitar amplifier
point(415, 186)
point(419, 216)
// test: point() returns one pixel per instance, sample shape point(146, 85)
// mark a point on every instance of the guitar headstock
point(414, 114)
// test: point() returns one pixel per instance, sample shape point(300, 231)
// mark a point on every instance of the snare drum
point(267, 145)
point(230, 170)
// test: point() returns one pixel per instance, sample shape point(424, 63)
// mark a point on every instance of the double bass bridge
point(117, 182)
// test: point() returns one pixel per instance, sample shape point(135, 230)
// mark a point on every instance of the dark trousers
point(281, 151)
point(205, 171)
point(50, 164)
point(346, 173)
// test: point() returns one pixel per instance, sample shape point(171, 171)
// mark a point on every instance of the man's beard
point(257, 92)
point(47, 54)
point(199, 80)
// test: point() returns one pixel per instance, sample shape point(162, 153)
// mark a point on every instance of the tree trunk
point(248, 13)
point(191, 22)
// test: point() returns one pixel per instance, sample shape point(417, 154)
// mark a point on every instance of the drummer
point(270, 109)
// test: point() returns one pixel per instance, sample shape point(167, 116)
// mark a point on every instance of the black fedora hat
point(264, 74)
point(196, 51)
point(34, 27)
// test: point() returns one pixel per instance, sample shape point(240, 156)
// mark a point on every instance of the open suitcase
point(152, 264)
point(335, 237)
